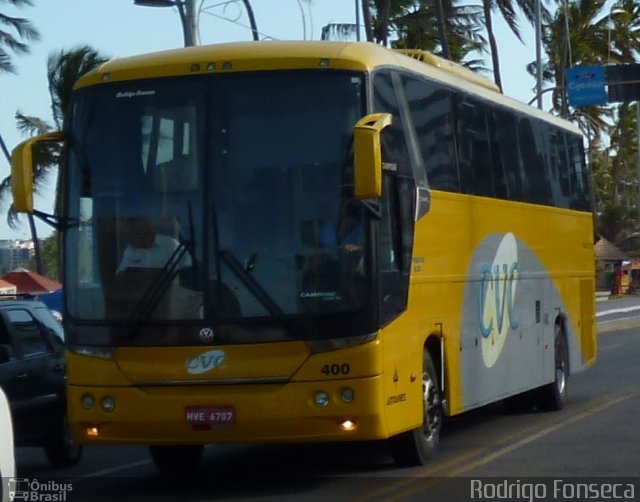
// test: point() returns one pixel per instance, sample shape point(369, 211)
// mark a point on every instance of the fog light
point(108, 404)
point(348, 425)
point(321, 399)
point(92, 431)
point(87, 401)
point(346, 395)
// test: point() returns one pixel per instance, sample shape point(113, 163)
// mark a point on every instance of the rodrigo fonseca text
point(555, 489)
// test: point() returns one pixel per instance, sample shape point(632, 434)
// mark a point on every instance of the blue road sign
point(586, 86)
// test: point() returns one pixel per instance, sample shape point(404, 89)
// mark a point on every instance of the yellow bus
point(312, 241)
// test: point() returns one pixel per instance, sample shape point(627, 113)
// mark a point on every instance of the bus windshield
point(220, 198)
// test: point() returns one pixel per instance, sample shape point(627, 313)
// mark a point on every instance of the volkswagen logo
point(206, 335)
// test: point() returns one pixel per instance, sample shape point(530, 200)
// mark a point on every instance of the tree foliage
point(49, 256)
point(64, 68)
point(14, 39)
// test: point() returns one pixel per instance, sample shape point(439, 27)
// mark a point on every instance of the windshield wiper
point(256, 289)
point(159, 286)
point(156, 290)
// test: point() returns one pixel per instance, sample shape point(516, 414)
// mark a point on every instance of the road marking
point(607, 347)
point(112, 470)
point(622, 310)
point(417, 486)
point(118, 468)
point(544, 432)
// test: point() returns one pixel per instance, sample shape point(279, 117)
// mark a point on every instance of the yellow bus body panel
point(275, 402)
point(445, 241)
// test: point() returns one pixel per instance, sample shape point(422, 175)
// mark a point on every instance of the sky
point(118, 28)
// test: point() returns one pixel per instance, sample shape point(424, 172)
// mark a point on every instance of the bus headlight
point(108, 404)
point(346, 395)
point(321, 399)
point(87, 401)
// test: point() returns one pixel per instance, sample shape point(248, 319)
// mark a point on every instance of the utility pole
point(188, 16)
point(538, 22)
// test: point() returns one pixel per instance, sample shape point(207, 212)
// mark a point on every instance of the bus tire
point(553, 396)
point(62, 450)
point(176, 459)
point(418, 446)
point(521, 403)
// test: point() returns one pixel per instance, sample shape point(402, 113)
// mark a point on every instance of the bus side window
point(474, 153)
point(569, 180)
point(497, 146)
point(394, 145)
point(395, 153)
point(430, 107)
point(579, 174)
point(558, 168)
point(504, 134)
point(536, 185)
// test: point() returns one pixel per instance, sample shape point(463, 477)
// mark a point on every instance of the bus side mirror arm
point(367, 153)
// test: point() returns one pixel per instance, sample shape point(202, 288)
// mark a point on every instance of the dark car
point(32, 375)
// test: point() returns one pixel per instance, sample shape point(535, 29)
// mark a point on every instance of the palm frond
point(29, 125)
point(64, 68)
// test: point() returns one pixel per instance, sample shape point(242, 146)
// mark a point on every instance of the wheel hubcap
point(561, 364)
point(431, 400)
point(561, 377)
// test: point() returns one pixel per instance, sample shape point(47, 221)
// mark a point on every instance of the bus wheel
point(418, 446)
point(62, 450)
point(176, 459)
point(553, 396)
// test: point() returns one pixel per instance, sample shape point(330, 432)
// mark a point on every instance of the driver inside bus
point(347, 232)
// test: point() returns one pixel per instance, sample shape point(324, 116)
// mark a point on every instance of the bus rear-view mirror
point(368, 155)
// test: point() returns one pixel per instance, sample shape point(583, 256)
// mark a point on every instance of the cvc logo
point(205, 362)
point(496, 299)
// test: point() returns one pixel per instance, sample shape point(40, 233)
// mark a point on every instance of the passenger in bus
point(147, 248)
point(155, 263)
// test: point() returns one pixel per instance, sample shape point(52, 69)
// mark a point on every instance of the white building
point(13, 253)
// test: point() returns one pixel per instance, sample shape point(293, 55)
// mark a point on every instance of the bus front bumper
point(338, 410)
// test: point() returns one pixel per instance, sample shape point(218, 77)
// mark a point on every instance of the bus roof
point(283, 55)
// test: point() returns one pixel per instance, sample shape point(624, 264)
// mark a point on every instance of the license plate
point(210, 415)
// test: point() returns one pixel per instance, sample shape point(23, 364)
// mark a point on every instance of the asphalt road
point(594, 438)
point(618, 313)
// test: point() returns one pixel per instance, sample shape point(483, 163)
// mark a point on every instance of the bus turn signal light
point(92, 431)
point(348, 425)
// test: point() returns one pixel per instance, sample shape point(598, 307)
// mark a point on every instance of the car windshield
point(225, 198)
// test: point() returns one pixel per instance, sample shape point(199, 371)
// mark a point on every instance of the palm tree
point(439, 26)
point(388, 11)
point(12, 41)
point(507, 10)
point(577, 35)
point(63, 70)
point(624, 32)
point(591, 32)
point(418, 27)
point(23, 29)
point(367, 20)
